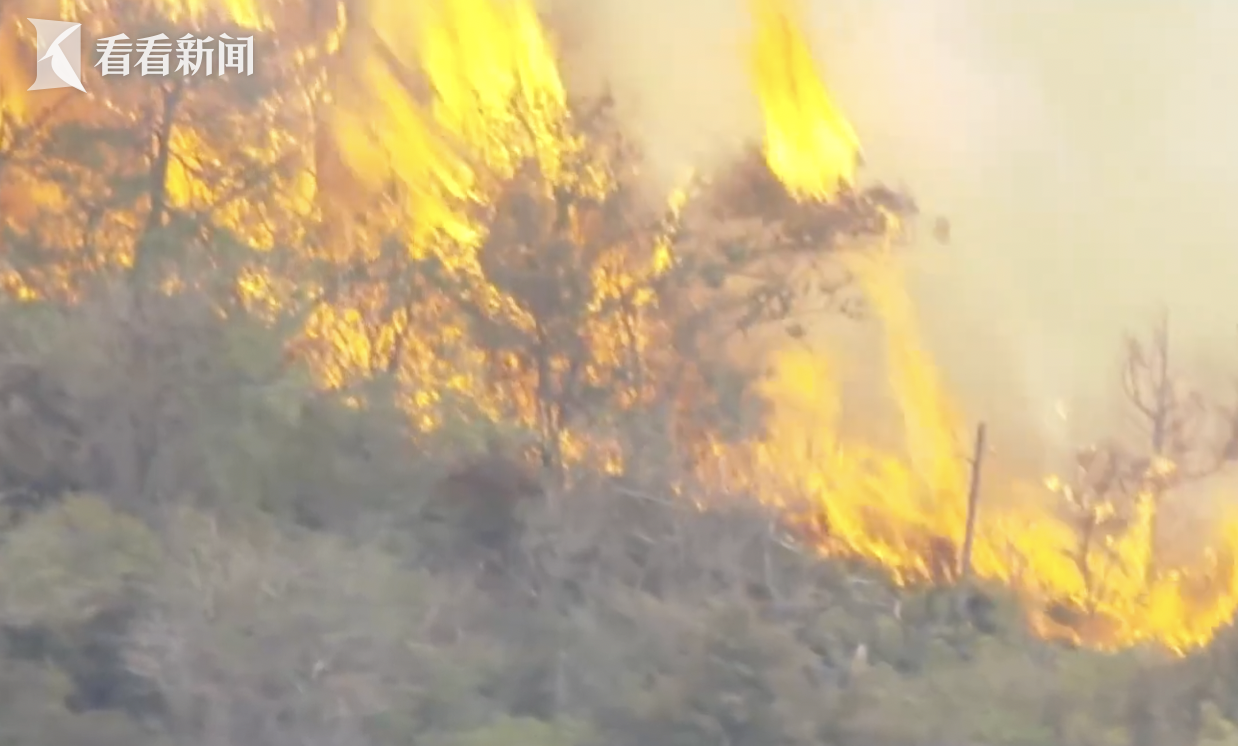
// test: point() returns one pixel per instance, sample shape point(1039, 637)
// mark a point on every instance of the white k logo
point(60, 59)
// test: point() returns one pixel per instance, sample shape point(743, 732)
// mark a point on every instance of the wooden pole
point(973, 503)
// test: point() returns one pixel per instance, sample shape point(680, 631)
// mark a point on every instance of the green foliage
point(32, 711)
point(73, 561)
point(736, 681)
point(116, 383)
point(520, 731)
point(253, 623)
point(1217, 731)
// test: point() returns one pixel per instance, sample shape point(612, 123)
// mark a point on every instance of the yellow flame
point(245, 13)
point(492, 100)
point(909, 513)
point(809, 144)
point(932, 424)
point(440, 102)
point(496, 82)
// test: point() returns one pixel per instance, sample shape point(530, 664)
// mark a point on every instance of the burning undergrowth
point(431, 206)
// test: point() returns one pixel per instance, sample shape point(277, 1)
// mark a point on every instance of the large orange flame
point(433, 106)
point(909, 513)
point(809, 144)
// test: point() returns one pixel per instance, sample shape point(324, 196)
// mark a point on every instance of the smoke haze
point(1084, 157)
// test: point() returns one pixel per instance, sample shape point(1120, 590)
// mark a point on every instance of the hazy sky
point(1086, 156)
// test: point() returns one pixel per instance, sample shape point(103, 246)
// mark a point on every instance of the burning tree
point(411, 192)
point(505, 258)
point(409, 202)
point(1120, 494)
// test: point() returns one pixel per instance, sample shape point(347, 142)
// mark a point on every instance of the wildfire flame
point(909, 514)
point(430, 108)
point(809, 144)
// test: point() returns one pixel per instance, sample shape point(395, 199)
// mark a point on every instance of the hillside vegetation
point(200, 547)
point(311, 441)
